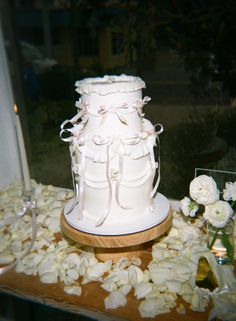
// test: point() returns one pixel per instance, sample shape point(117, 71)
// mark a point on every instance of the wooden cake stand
point(116, 246)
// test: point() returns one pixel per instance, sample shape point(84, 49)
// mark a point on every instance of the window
point(87, 43)
point(117, 40)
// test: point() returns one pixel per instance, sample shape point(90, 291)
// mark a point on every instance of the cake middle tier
point(115, 175)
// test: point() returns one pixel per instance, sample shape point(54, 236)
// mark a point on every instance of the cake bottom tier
point(145, 220)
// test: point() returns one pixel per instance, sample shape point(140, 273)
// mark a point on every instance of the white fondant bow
point(138, 105)
point(105, 110)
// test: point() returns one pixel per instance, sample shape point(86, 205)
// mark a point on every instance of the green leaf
point(213, 240)
point(227, 244)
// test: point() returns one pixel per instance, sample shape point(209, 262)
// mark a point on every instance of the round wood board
point(115, 241)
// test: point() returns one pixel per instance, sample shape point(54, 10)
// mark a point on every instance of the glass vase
point(221, 242)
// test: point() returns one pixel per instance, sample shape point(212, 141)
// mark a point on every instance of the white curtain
point(10, 170)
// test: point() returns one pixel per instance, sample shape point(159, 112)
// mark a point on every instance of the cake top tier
point(109, 85)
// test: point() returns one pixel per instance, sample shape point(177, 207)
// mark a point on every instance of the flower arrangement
point(217, 209)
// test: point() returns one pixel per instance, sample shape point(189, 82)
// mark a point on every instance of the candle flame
point(15, 109)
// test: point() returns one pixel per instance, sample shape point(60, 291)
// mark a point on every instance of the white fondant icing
point(109, 84)
point(125, 224)
point(113, 161)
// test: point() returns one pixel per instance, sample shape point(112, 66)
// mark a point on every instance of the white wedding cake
point(112, 159)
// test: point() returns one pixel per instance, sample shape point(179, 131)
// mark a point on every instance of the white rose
point(218, 213)
point(203, 190)
point(188, 207)
point(229, 193)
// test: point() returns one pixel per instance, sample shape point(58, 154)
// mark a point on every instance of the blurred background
point(185, 51)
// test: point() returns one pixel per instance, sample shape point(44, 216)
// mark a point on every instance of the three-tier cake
point(112, 159)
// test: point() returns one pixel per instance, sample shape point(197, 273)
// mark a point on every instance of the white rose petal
point(6, 258)
point(122, 277)
point(122, 263)
point(136, 261)
point(73, 274)
point(93, 260)
point(160, 252)
point(142, 290)
point(39, 244)
point(177, 223)
point(189, 233)
point(37, 259)
point(53, 224)
point(56, 212)
point(19, 267)
point(74, 290)
point(48, 263)
point(125, 289)
point(224, 305)
point(16, 246)
point(200, 299)
point(49, 277)
point(109, 286)
point(146, 276)
point(61, 196)
point(159, 274)
point(54, 204)
point(30, 271)
point(115, 300)
point(135, 274)
point(83, 267)
point(29, 260)
point(174, 286)
point(203, 190)
point(218, 213)
point(150, 308)
point(96, 271)
point(72, 259)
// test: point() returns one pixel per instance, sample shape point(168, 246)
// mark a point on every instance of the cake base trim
point(161, 207)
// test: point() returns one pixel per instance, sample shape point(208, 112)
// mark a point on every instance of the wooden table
point(90, 303)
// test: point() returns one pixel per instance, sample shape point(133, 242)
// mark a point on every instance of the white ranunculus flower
point(229, 193)
point(203, 190)
point(218, 213)
point(188, 207)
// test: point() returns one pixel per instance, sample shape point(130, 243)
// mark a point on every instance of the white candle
point(23, 156)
